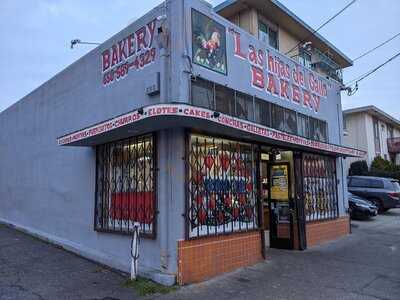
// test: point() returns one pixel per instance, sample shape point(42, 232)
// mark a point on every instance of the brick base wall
point(320, 232)
point(204, 258)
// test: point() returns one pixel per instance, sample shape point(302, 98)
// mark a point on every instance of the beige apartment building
point(373, 130)
point(274, 24)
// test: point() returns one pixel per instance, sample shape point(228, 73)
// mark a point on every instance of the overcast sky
point(35, 40)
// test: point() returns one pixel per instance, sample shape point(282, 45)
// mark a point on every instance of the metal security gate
point(126, 186)
point(299, 200)
point(320, 187)
point(221, 186)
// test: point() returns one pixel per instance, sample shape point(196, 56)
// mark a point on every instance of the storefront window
point(318, 130)
point(244, 106)
point(228, 101)
point(290, 121)
point(125, 186)
point(302, 125)
point(320, 193)
point(222, 197)
point(278, 117)
point(263, 112)
point(225, 100)
point(203, 93)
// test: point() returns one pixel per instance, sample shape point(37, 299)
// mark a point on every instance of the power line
point(365, 75)
point(329, 20)
point(380, 45)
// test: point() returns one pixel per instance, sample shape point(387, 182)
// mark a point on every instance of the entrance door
point(280, 206)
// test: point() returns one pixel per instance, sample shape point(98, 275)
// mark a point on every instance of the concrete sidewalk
point(32, 269)
point(364, 265)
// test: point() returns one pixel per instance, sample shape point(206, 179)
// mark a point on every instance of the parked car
point(360, 208)
point(383, 192)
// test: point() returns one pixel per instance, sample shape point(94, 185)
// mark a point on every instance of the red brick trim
point(204, 258)
point(321, 232)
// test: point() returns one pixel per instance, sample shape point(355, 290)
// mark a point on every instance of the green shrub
point(384, 168)
point(359, 167)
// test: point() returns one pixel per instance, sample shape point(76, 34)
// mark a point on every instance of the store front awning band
point(174, 115)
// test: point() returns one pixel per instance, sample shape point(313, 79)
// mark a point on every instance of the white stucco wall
point(356, 137)
point(360, 135)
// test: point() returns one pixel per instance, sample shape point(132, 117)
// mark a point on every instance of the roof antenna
point(75, 42)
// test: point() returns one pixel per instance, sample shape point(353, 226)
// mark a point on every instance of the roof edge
point(372, 108)
point(292, 15)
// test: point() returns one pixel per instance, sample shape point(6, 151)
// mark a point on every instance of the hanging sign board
point(279, 182)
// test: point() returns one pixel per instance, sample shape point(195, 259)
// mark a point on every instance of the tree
point(384, 168)
point(381, 167)
point(359, 167)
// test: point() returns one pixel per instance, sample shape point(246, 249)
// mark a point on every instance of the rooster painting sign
point(208, 43)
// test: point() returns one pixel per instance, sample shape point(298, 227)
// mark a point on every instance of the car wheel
point(379, 204)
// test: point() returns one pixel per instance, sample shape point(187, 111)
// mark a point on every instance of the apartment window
point(302, 125)
point(344, 123)
point(390, 131)
point(377, 140)
point(203, 93)
point(304, 58)
point(125, 186)
point(225, 100)
point(263, 112)
point(268, 35)
point(244, 106)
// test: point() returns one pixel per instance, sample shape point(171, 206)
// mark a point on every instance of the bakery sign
point(279, 76)
point(134, 52)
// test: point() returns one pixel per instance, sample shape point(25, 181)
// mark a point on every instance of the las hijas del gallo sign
point(275, 76)
point(134, 51)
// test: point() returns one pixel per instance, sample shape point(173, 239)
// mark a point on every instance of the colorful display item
point(208, 42)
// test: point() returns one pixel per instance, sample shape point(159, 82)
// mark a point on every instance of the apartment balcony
point(393, 145)
point(323, 63)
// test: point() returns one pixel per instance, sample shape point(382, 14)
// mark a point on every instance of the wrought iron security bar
point(222, 197)
point(126, 186)
point(320, 190)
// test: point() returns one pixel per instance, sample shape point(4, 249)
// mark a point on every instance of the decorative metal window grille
point(320, 190)
point(221, 189)
point(125, 186)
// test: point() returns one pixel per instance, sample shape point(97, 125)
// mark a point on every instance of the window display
point(320, 193)
point(222, 195)
point(125, 185)
point(208, 43)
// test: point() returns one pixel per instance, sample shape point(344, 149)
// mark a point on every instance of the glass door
point(280, 206)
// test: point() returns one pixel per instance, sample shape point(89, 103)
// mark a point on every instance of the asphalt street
point(363, 265)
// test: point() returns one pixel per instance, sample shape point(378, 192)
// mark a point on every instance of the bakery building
point(198, 123)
